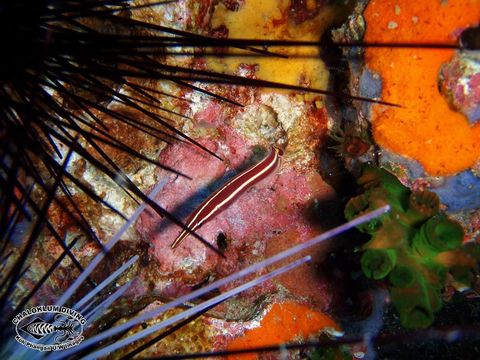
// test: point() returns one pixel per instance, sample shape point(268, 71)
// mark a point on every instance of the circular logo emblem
point(49, 328)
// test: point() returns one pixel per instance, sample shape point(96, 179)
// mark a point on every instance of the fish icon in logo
point(63, 328)
point(49, 327)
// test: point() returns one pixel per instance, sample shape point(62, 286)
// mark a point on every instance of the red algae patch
point(425, 128)
point(284, 322)
point(274, 206)
point(269, 217)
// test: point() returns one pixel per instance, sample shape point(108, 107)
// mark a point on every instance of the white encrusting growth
point(288, 111)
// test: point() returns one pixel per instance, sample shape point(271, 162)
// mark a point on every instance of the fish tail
point(180, 238)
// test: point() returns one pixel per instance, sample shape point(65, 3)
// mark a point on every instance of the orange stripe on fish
point(224, 196)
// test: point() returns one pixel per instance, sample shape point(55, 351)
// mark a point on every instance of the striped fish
point(224, 196)
point(41, 328)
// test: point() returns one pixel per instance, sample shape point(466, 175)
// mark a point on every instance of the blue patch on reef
point(20, 233)
point(474, 115)
point(370, 87)
point(414, 168)
point(460, 192)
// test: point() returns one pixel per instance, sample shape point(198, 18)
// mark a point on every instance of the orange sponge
point(284, 322)
point(425, 129)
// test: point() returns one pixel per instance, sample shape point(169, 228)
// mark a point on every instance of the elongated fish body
point(225, 195)
point(41, 328)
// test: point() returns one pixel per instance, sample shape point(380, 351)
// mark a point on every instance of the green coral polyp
point(444, 233)
point(414, 305)
point(416, 317)
point(437, 235)
point(377, 263)
point(402, 276)
point(405, 244)
point(421, 206)
point(381, 182)
point(359, 205)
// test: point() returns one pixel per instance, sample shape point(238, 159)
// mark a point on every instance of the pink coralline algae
point(460, 83)
point(265, 219)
